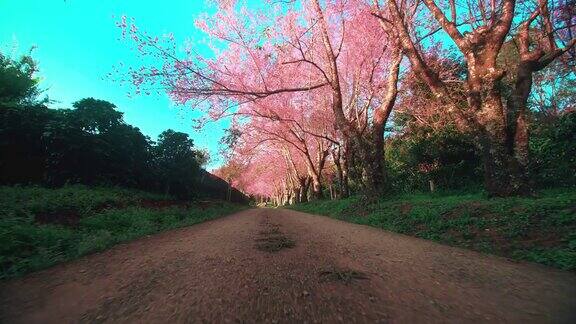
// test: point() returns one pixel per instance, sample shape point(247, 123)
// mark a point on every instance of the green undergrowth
point(41, 227)
point(541, 229)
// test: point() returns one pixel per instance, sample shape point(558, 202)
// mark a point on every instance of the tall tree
point(479, 31)
point(23, 118)
point(176, 162)
point(335, 48)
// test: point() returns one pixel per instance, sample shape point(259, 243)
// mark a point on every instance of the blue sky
point(78, 43)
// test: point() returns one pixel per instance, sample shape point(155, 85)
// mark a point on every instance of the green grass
point(19, 201)
point(541, 229)
point(96, 219)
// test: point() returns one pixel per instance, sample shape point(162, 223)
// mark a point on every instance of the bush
point(446, 157)
point(553, 149)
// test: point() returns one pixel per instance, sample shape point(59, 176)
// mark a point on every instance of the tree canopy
point(312, 85)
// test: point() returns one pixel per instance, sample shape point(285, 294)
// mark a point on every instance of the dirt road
point(265, 265)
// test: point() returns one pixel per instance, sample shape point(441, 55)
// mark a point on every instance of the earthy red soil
point(277, 266)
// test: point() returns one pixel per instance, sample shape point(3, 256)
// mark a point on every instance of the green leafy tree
point(89, 144)
point(23, 155)
point(18, 84)
point(96, 116)
point(177, 163)
point(92, 144)
point(23, 118)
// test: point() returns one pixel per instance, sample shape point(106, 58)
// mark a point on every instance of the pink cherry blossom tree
point(332, 54)
point(479, 29)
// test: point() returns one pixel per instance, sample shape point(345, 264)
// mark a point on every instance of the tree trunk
point(296, 195)
point(305, 183)
point(316, 187)
point(339, 173)
point(346, 157)
point(503, 174)
point(338, 157)
point(373, 150)
point(518, 129)
point(376, 174)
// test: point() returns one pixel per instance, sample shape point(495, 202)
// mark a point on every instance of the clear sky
point(78, 43)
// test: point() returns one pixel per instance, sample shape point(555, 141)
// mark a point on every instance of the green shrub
point(553, 149)
point(444, 156)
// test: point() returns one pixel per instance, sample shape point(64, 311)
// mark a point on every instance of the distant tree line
point(90, 144)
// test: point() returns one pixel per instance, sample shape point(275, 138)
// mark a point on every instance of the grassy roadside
point(41, 227)
point(541, 229)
